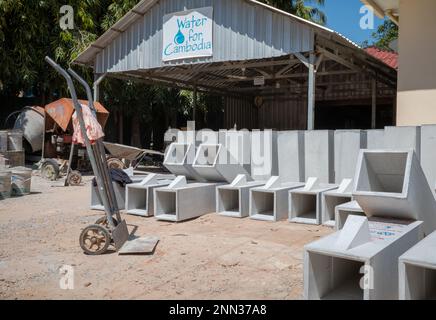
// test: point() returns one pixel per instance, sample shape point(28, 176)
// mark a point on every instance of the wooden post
point(311, 93)
point(374, 104)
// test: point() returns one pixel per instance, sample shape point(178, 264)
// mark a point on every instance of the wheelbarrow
point(120, 154)
point(109, 230)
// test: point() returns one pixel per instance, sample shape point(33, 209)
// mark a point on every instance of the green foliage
point(306, 9)
point(386, 33)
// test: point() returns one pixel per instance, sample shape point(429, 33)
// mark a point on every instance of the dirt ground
point(211, 257)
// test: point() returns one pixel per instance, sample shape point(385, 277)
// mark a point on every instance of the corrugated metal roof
point(135, 41)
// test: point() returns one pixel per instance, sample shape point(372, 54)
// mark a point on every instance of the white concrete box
point(400, 138)
point(214, 163)
point(181, 201)
point(428, 153)
point(305, 204)
point(179, 160)
point(238, 143)
point(375, 139)
point(233, 200)
point(348, 144)
point(418, 271)
point(269, 202)
point(264, 162)
point(391, 184)
point(343, 211)
point(290, 148)
point(319, 155)
point(120, 196)
point(140, 197)
point(332, 199)
point(360, 262)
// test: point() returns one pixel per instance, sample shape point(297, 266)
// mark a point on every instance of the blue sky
point(343, 16)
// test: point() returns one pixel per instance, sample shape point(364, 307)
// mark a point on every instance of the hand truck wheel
point(105, 223)
point(95, 239)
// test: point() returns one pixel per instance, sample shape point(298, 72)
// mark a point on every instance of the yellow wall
point(416, 103)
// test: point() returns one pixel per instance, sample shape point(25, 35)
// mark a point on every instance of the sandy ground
point(211, 257)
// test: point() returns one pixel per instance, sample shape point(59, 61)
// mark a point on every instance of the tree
point(302, 8)
point(385, 34)
point(30, 30)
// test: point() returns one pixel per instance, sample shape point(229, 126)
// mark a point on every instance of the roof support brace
point(97, 82)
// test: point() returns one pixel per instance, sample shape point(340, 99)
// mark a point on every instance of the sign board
point(188, 34)
point(259, 81)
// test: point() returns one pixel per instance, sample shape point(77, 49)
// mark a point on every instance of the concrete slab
point(305, 204)
point(391, 184)
point(179, 160)
point(348, 144)
point(214, 162)
point(120, 195)
point(140, 198)
point(368, 270)
point(398, 138)
point(375, 139)
point(428, 153)
point(418, 271)
point(269, 202)
point(319, 155)
point(233, 200)
point(264, 162)
point(290, 148)
point(343, 211)
point(181, 201)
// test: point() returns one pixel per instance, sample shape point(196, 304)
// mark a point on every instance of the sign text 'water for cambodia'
point(187, 34)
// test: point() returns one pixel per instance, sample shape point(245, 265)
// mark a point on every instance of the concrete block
point(181, 201)
point(139, 196)
point(347, 147)
point(349, 265)
point(391, 184)
point(213, 162)
point(269, 202)
point(319, 155)
point(120, 196)
point(400, 138)
point(233, 200)
point(179, 160)
point(290, 148)
point(332, 199)
point(428, 153)
point(343, 211)
point(305, 204)
point(375, 139)
point(264, 162)
point(418, 271)
point(238, 143)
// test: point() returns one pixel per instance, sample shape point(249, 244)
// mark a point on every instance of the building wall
point(417, 70)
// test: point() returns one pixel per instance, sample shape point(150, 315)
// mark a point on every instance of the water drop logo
point(179, 38)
